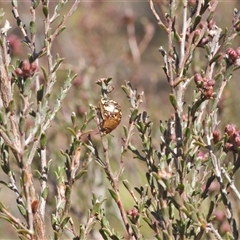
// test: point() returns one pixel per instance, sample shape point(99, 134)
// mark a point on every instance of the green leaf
point(59, 7)
point(45, 11)
point(27, 86)
point(135, 229)
point(80, 174)
point(64, 222)
point(35, 4)
point(105, 233)
point(68, 192)
point(22, 210)
point(133, 115)
point(173, 101)
point(11, 106)
point(22, 125)
point(45, 193)
point(72, 131)
point(39, 175)
point(57, 64)
point(33, 27)
point(40, 93)
point(43, 141)
point(127, 185)
point(61, 30)
point(113, 194)
point(96, 208)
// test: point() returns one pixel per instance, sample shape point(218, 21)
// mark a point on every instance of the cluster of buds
point(196, 32)
point(205, 85)
point(233, 56)
point(233, 138)
point(133, 214)
point(26, 69)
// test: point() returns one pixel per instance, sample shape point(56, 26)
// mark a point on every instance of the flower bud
point(238, 51)
point(237, 141)
point(18, 72)
point(211, 82)
point(25, 66)
point(232, 54)
point(198, 79)
point(230, 129)
point(216, 136)
point(228, 147)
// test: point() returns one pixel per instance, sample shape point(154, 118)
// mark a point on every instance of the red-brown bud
point(25, 66)
point(135, 212)
point(237, 141)
point(18, 72)
point(211, 82)
point(228, 147)
point(238, 51)
point(33, 66)
point(216, 136)
point(232, 54)
point(219, 215)
point(204, 41)
point(211, 24)
point(230, 129)
point(198, 79)
point(208, 92)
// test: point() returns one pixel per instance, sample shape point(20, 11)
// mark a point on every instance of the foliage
point(187, 190)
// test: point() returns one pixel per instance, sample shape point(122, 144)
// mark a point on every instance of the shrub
point(187, 189)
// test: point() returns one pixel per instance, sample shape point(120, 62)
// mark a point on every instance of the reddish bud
point(18, 71)
point(232, 54)
point(211, 24)
point(34, 206)
point(211, 82)
point(129, 212)
point(230, 129)
point(216, 136)
point(204, 41)
point(237, 141)
point(134, 212)
point(228, 147)
point(225, 227)
point(202, 156)
point(197, 32)
point(201, 24)
point(198, 79)
point(33, 66)
point(208, 93)
point(238, 51)
point(25, 66)
point(219, 215)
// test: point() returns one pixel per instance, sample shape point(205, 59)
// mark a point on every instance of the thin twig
point(231, 182)
point(43, 182)
point(114, 183)
point(215, 232)
point(154, 12)
point(16, 221)
point(224, 194)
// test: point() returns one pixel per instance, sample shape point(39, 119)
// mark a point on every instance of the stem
point(114, 182)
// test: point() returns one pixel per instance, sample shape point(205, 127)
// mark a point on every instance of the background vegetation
point(169, 170)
